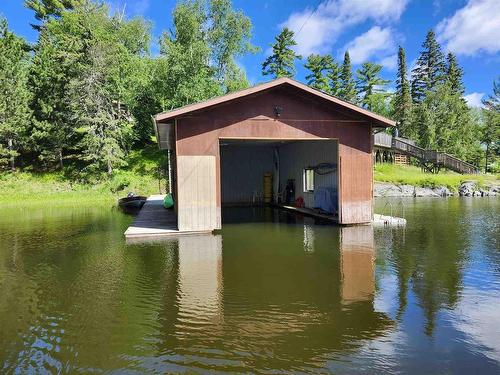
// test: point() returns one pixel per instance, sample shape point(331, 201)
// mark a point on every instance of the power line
point(310, 15)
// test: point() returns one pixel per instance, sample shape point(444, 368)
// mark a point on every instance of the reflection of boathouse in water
point(247, 295)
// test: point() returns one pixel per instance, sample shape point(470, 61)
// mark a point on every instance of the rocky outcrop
point(466, 189)
point(470, 189)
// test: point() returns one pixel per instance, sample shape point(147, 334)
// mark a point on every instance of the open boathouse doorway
point(295, 174)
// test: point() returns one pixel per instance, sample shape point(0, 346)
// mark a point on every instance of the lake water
point(271, 293)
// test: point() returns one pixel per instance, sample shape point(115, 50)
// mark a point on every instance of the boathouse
point(280, 143)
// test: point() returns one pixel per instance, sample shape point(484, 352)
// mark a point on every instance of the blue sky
point(370, 29)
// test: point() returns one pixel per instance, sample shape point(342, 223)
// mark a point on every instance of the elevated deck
point(430, 160)
point(155, 221)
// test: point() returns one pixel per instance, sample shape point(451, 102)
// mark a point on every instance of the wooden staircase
point(430, 160)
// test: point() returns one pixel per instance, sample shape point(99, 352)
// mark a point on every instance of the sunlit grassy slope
point(412, 175)
point(139, 176)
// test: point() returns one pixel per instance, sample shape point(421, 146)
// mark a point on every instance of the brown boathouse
point(280, 142)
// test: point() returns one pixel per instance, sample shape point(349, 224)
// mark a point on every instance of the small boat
point(132, 202)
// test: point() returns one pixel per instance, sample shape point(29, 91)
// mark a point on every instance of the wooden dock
point(309, 212)
point(154, 220)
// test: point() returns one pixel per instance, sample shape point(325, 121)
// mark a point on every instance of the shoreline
point(465, 189)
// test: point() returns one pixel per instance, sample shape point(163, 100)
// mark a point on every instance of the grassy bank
point(411, 175)
point(140, 176)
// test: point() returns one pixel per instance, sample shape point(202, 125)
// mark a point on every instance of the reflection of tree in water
point(75, 297)
point(430, 256)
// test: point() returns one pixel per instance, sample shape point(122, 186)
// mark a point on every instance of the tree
point(347, 90)
point(44, 9)
point(14, 95)
point(56, 56)
point(61, 57)
point(446, 124)
point(381, 103)
point(402, 98)
point(282, 61)
point(229, 34)
point(333, 76)
point(198, 57)
point(454, 75)
point(187, 76)
point(369, 83)
point(319, 67)
point(490, 132)
point(430, 69)
point(105, 127)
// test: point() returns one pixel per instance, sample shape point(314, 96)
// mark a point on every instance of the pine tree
point(402, 101)
point(105, 128)
point(282, 61)
point(454, 75)
point(493, 101)
point(490, 133)
point(58, 54)
point(347, 90)
point(44, 9)
point(334, 79)
point(430, 69)
point(14, 95)
point(369, 84)
point(319, 67)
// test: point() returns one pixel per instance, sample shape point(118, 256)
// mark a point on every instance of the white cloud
point(474, 99)
point(472, 29)
point(317, 31)
point(375, 42)
point(390, 62)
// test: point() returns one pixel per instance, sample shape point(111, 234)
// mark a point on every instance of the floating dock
point(385, 220)
point(154, 220)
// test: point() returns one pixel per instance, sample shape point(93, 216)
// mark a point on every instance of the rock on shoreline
point(466, 189)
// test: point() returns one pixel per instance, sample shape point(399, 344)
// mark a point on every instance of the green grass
point(140, 176)
point(411, 175)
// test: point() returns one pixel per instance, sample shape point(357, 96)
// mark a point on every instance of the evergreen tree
point(370, 83)
point(282, 61)
point(319, 67)
point(347, 90)
point(56, 56)
point(430, 69)
point(105, 128)
point(402, 99)
point(490, 132)
point(454, 75)
point(14, 95)
point(44, 9)
point(61, 57)
point(333, 75)
point(493, 101)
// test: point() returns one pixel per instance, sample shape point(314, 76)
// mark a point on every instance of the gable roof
point(377, 120)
